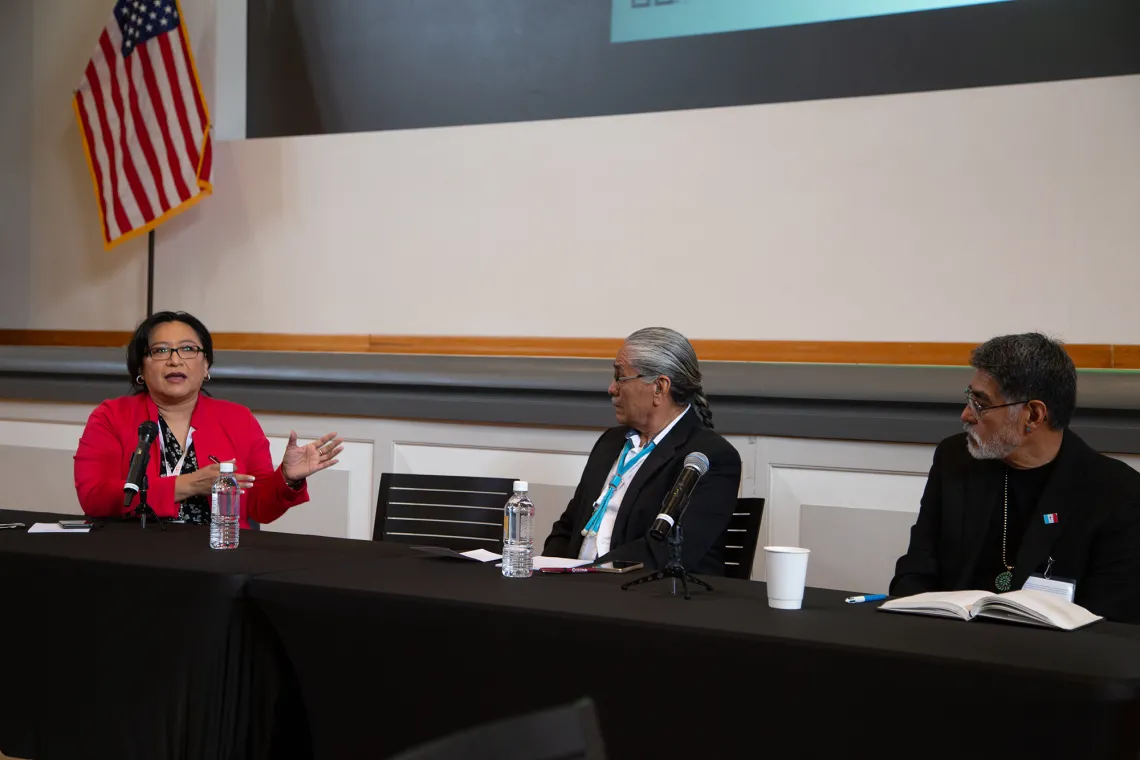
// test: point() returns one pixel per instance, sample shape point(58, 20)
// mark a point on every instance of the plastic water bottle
point(225, 509)
point(518, 547)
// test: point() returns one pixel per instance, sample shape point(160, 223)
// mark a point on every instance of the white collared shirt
point(599, 545)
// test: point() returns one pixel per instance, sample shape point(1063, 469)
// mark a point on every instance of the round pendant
point(1003, 581)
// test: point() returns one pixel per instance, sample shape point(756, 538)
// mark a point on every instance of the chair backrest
point(741, 538)
point(442, 510)
point(563, 733)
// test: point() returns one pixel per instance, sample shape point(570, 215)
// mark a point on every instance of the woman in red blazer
point(169, 358)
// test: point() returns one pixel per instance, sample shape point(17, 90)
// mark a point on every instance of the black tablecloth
point(143, 644)
point(123, 643)
point(391, 654)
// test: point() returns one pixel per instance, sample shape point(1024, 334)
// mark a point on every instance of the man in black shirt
point(1018, 493)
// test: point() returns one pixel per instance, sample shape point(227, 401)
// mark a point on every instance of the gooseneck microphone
point(148, 432)
point(673, 506)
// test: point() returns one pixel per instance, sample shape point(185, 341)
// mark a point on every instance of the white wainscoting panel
point(340, 498)
point(37, 465)
point(747, 448)
point(41, 435)
point(1131, 460)
point(856, 523)
point(552, 467)
point(851, 503)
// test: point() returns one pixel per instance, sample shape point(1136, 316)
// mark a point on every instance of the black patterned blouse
point(196, 509)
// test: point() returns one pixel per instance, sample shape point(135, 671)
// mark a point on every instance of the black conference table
point(389, 655)
point(145, 644)
point(126, 644)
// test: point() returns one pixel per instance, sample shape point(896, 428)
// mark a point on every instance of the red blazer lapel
point(210, 437)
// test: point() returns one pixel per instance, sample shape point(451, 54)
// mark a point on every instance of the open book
point(1029, 607)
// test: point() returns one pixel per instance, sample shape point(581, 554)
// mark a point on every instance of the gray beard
point(1003, 443)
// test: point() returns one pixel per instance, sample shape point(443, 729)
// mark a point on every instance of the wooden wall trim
point(1126, 357)
point(83, 338)
point(1086, 356)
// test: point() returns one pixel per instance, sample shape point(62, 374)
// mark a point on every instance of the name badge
point(1066, 588)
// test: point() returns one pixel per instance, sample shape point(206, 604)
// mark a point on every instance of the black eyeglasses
point(978, 409)
point(620, 379)
point(162, 353)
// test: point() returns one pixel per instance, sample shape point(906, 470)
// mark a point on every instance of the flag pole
point(150, 274)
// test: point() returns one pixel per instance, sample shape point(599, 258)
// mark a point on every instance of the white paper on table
point(54, 528)
point(482, 555)
point(539, 563)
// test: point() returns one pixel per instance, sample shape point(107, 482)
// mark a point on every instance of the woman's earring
point(207, 374)
point(139, 380)
point(1028, 429)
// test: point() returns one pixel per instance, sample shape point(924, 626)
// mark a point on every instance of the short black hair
point(1031, 366)
point(140, 342)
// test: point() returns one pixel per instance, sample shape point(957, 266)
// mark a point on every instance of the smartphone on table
point(619, 566)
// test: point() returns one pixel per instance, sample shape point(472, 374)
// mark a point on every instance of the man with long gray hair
point(1018, 494)
point(663, 416)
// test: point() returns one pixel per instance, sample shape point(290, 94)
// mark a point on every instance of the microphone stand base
point(674, 572)
point(144, 510)
point(673, 568)
point(143, 515)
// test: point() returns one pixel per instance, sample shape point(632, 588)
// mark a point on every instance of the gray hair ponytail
point(660, 351)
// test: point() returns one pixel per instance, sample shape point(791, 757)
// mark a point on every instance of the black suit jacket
point(705, 520)
point(1095, 541)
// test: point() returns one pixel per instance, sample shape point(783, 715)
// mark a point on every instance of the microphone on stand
point(673, 506)
point(148, 432)
point(668, 525)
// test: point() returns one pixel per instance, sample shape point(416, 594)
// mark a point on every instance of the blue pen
point(865, 598)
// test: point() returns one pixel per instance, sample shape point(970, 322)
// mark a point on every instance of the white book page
point(1013, 615)
point(960, 603)
point(1047, 607)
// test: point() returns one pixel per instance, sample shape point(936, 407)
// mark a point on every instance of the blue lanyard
point(623, 467)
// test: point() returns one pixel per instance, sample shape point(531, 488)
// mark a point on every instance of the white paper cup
point(786, 574)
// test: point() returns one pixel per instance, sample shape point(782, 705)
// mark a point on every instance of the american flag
point(143, 118)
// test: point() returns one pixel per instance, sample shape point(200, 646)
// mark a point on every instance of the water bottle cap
point(521, 485)
point(225, 467)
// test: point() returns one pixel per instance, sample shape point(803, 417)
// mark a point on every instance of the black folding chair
point(741, 538)
point(563, 733)
point(442, 510)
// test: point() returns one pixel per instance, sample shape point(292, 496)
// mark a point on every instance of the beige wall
point(15, 161)
point(70, 282)
point(936, 216)
point(74, 284)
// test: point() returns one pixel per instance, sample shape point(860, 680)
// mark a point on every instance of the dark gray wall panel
point(852, 402)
